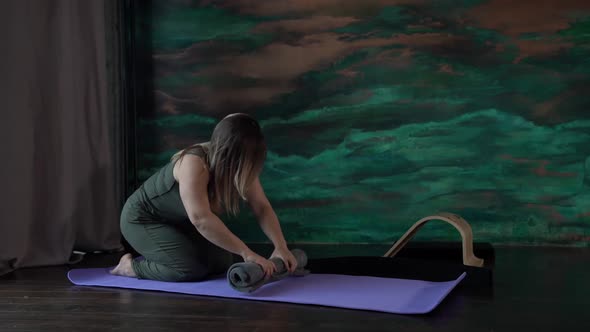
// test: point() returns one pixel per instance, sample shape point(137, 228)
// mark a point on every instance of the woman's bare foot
point(124, 268)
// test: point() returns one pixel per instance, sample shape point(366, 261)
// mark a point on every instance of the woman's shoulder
point(191, 164)
point(197, 150)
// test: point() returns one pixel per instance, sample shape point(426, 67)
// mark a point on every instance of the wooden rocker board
point(469, 258)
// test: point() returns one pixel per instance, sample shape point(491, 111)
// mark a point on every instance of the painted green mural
point(380, 112)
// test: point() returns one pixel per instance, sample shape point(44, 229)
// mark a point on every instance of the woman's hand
point(267, 266)
point(287, 257)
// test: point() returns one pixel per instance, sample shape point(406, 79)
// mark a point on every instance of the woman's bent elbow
point(198, 221)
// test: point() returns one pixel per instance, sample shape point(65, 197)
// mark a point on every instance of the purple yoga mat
point(389, 295)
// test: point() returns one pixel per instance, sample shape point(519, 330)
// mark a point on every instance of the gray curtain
point(58, 165)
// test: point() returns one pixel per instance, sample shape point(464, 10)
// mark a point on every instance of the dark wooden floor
point(535, 289)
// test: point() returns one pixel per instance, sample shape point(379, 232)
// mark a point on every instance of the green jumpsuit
point(155, 223)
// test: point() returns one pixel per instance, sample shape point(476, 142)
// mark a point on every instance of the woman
point(172, 219)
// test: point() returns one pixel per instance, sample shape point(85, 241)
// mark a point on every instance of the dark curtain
point(59, 171)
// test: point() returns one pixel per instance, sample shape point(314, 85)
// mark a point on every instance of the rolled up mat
point(248, 277)
point(388, 295)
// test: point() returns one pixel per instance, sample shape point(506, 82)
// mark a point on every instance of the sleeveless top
point(158, 200)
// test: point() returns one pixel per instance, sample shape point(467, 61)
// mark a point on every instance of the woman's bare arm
point(267, 218)
point(193, 177)
point(269, 222)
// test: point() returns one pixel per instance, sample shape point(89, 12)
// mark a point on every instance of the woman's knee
point(172, 275)
point(146, 269)
point(193, 272)
point(220, 262)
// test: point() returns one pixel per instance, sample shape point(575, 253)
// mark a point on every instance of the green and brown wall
point(379, 112)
